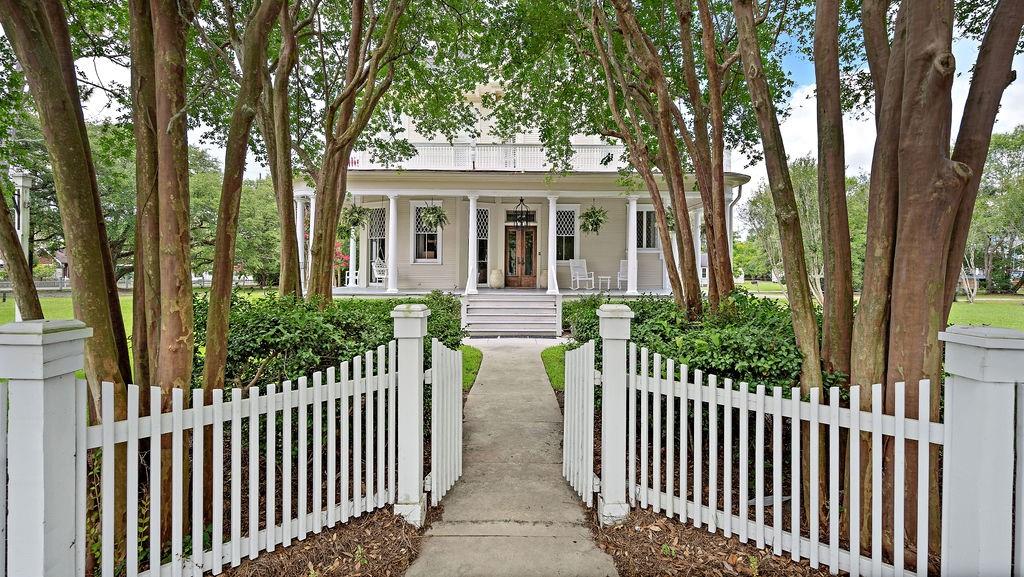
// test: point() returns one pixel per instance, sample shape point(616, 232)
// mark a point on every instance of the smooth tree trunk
point(837, 318)
point(805, 324)
point(25, 294)
point(146, 288)
point(177, 337)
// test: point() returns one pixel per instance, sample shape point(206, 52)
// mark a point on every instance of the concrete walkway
point(511, 513)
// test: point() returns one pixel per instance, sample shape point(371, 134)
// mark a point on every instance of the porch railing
point(497, 157)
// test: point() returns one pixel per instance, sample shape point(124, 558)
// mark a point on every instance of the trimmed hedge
point(748, 339)
point(274, 338)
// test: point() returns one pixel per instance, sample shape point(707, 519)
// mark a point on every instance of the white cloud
point(799, 130)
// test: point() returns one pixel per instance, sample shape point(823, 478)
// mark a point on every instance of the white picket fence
point(727, 457)
point(578, 425)
point(285, 461)
point(445, 379)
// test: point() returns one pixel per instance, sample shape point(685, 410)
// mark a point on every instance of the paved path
point(511, 513)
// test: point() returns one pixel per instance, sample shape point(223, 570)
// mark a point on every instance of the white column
point(695, 223)
point(631, 248)
point(392, 243)
point(312, 226)
point(410, 329)
point(978, 460)
point(552, 252)
point(615, 319)
point(23, 184)
point(472, 268)
point(300, 237)
point(45, 522)
point(353, 258)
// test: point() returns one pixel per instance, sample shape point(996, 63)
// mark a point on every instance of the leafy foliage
point(748, 339)
point(274, 338)
point(592, 219)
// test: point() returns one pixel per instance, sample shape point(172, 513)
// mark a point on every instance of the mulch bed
point(379, 543)
point(649, 543)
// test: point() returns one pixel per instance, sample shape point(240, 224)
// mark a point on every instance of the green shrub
point(748, 339)
point(274, 338)
point(44, 271)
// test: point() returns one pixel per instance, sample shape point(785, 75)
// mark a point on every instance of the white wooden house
point(513, 223)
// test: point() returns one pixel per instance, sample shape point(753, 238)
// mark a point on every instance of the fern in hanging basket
point(433, 216)
point(356, 217)
point(592, 219)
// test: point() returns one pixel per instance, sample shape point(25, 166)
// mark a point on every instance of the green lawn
point(998, 312)
point(554, 363)
point(763, 286)
point(471, 359)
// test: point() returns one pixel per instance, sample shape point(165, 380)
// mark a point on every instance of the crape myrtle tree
point(636, 75)
point(368, 65)
point(922, 191)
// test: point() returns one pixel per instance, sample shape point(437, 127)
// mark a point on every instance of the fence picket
point(132, 485)
point(684, 432)
point(198, 470)
point(833, 481)
point(318, 449)
point(670, 436)
point(744, 472)
point(357, 439)
point(236, 476)
point(813, 476)
point(107, 469)
point(899, 481)
point(727, 465)
point(855, 473)
point(923, 454)
point(270, 474)
point(177, 486)
point(712, 452)
point(254, 472)
point(217, 530)
point(371, 381)
point(589, 425)
point(332, 447)
point(657, 428)
point(346, 394)
point(81, 429)
point(303, 457)
point(876, 479)
point(794, 470)
point(287, 528)
point(644, 434)
point(698, 449)
point(777, 470)
point(759, 465)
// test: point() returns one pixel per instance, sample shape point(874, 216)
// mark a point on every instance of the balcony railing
point(501, 157)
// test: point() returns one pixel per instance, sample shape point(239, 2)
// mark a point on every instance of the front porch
point(503, 230)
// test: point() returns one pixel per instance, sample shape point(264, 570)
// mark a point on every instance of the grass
point(554, 364)
point(1003, 312)
point(471, 359)
point(763, 286)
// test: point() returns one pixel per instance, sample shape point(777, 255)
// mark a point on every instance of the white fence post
point(615, 320)
point(40, 359)
point(983, 365)
point(410, 329)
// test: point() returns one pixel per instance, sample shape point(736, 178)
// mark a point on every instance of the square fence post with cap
point(39, 359)
point(410, 330)
point(984, 366)
point(615, 322)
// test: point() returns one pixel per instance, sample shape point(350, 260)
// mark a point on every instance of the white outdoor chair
point(380, 271)
point(578, 274)
point(623, 275)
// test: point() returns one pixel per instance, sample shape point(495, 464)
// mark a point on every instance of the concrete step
point(510, 306)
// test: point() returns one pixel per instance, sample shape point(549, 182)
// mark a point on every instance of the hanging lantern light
point(521, 214)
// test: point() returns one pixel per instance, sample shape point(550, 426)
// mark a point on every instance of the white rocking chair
point(623, 275)
point(380, 271)
point(578, 274)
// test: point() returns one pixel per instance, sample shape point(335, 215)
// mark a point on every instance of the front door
point(521, 256)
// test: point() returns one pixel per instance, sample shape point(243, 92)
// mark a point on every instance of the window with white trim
point(483, 217)
point(566, 233)
point(646, 228)
point(426, 240)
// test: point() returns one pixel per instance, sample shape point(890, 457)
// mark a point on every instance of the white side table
point(604, 281)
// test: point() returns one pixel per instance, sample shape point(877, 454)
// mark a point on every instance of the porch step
point(511, 313)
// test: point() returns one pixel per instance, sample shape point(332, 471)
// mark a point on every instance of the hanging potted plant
point(433, 216)
point(354, 216)
point(592, 219)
